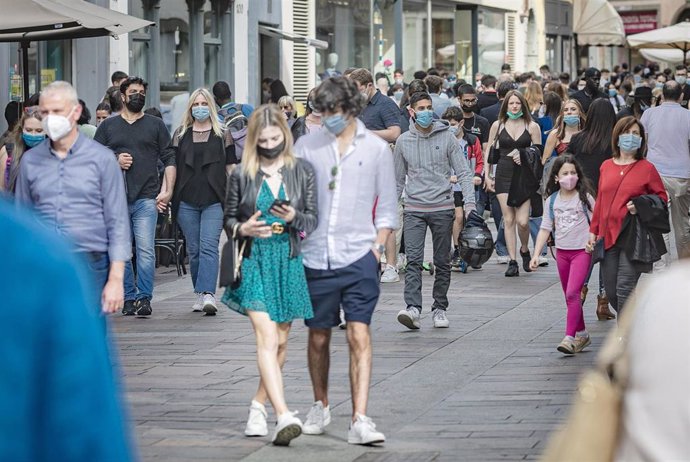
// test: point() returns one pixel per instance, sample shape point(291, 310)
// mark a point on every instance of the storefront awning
point(35, 20)
point(281, 34)
point(597, 23)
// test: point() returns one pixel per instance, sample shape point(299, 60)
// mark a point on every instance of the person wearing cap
point(642, 102)
point(591, 90)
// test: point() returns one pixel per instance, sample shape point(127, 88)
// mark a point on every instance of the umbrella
point(30, 20)
point(667, 56)
point(596, 23)
point(667, 38)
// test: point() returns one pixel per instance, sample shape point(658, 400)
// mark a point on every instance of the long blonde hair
point(188, 120)
point(534, 96)
point(267, 115)
point(560, 124)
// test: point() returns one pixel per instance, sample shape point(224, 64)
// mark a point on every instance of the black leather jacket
point(300, 187)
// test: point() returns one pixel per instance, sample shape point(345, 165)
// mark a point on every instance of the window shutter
point(511, 41)
point(302, 18)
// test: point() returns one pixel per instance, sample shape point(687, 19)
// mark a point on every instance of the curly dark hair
point(132, 81)
point(583, 186)
point(338, 93)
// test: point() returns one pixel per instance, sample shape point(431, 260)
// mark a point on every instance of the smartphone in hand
point(280, 203)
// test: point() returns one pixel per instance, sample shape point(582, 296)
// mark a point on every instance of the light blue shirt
point(347, 230)
point(81, 196)
point(668, 139)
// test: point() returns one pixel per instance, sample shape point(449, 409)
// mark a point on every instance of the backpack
point(233, 119)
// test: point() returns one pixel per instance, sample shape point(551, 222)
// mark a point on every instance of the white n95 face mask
point(57, 126)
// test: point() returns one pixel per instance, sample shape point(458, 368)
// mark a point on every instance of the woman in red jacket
point(623, 177)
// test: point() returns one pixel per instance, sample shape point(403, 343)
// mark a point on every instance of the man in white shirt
point(355, 176)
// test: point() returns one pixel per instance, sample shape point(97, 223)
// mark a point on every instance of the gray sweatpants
point(414, 232)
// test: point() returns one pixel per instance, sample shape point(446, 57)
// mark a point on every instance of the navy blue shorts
point(354, 287)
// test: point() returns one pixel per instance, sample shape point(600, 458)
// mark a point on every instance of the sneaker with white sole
point(543, 261)
point(409, 317)
point(363, 431)
point(317, 419)
point(288, 428)
point(567, 346)
point(402, 262)
point(390, 274)
point(581, 342)
point(199, 303)
point(209, 303)
point(256, 423)
point(440, 318)
point(502, 259)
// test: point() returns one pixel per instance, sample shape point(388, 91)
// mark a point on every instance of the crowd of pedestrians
point(325, 199)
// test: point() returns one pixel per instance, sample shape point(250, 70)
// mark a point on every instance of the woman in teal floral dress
point(270, 203)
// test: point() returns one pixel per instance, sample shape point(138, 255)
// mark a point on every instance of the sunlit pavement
point(491, 387)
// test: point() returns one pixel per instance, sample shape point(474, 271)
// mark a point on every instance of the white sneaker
point(409, 317)
point(199, 303)
point(440, 318)
point(543, 261)
point(502, 259)
point(390, 274)
point(288, 428)
point(209, 302)
point(343, 323)
point(256, 423)
point(363, 431)
point(402, 262)
point(317, 419)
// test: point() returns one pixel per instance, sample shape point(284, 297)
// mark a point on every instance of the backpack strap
point(584, 209)
point(552, 200)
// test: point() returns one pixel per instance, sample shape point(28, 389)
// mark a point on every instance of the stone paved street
point(491, 387)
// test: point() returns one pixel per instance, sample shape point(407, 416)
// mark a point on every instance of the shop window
point(48, 61)
point(345, 25)
point(491, 43)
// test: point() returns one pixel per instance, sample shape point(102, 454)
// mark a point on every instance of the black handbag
point(494, 150)
point(230, 274)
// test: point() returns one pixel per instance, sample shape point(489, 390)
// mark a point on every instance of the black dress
point(505, 166)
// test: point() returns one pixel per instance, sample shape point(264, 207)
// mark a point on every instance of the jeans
point(534, 225)
point(573, 268)
point(142, 216)
point(501, 248)
point(620, 277)
point(481, 200)
point(441, 226)
point(201, 227)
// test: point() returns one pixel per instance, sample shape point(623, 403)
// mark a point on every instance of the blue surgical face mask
point(335, 123)
point(454, 129)
point(613, 92)
point(658, 85)
point(424, 118)
point(31, 140)
point(398, 95)
point(201, 113)
point(629, 142)
point(571, 119)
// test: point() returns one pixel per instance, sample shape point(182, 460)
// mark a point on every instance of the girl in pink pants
point(567, 213)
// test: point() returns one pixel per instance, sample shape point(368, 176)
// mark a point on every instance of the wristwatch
point(380, 248)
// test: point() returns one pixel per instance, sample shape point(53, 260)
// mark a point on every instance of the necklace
point(625, 167)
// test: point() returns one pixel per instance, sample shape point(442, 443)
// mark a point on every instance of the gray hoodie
point(427, 161)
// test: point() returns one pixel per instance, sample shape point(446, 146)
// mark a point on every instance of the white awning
point(597, 23)
point(31, 20)
point(673, 37)
point(284, 35)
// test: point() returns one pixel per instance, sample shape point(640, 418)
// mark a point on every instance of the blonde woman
point(569, 123)
point(287, 105)
point(535, 98)
point(26, 134)
point(271, 200)
point(204, 155)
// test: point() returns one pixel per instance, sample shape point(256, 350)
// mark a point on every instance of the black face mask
point(135, 103)
point(468, 109)
point(271, 153)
